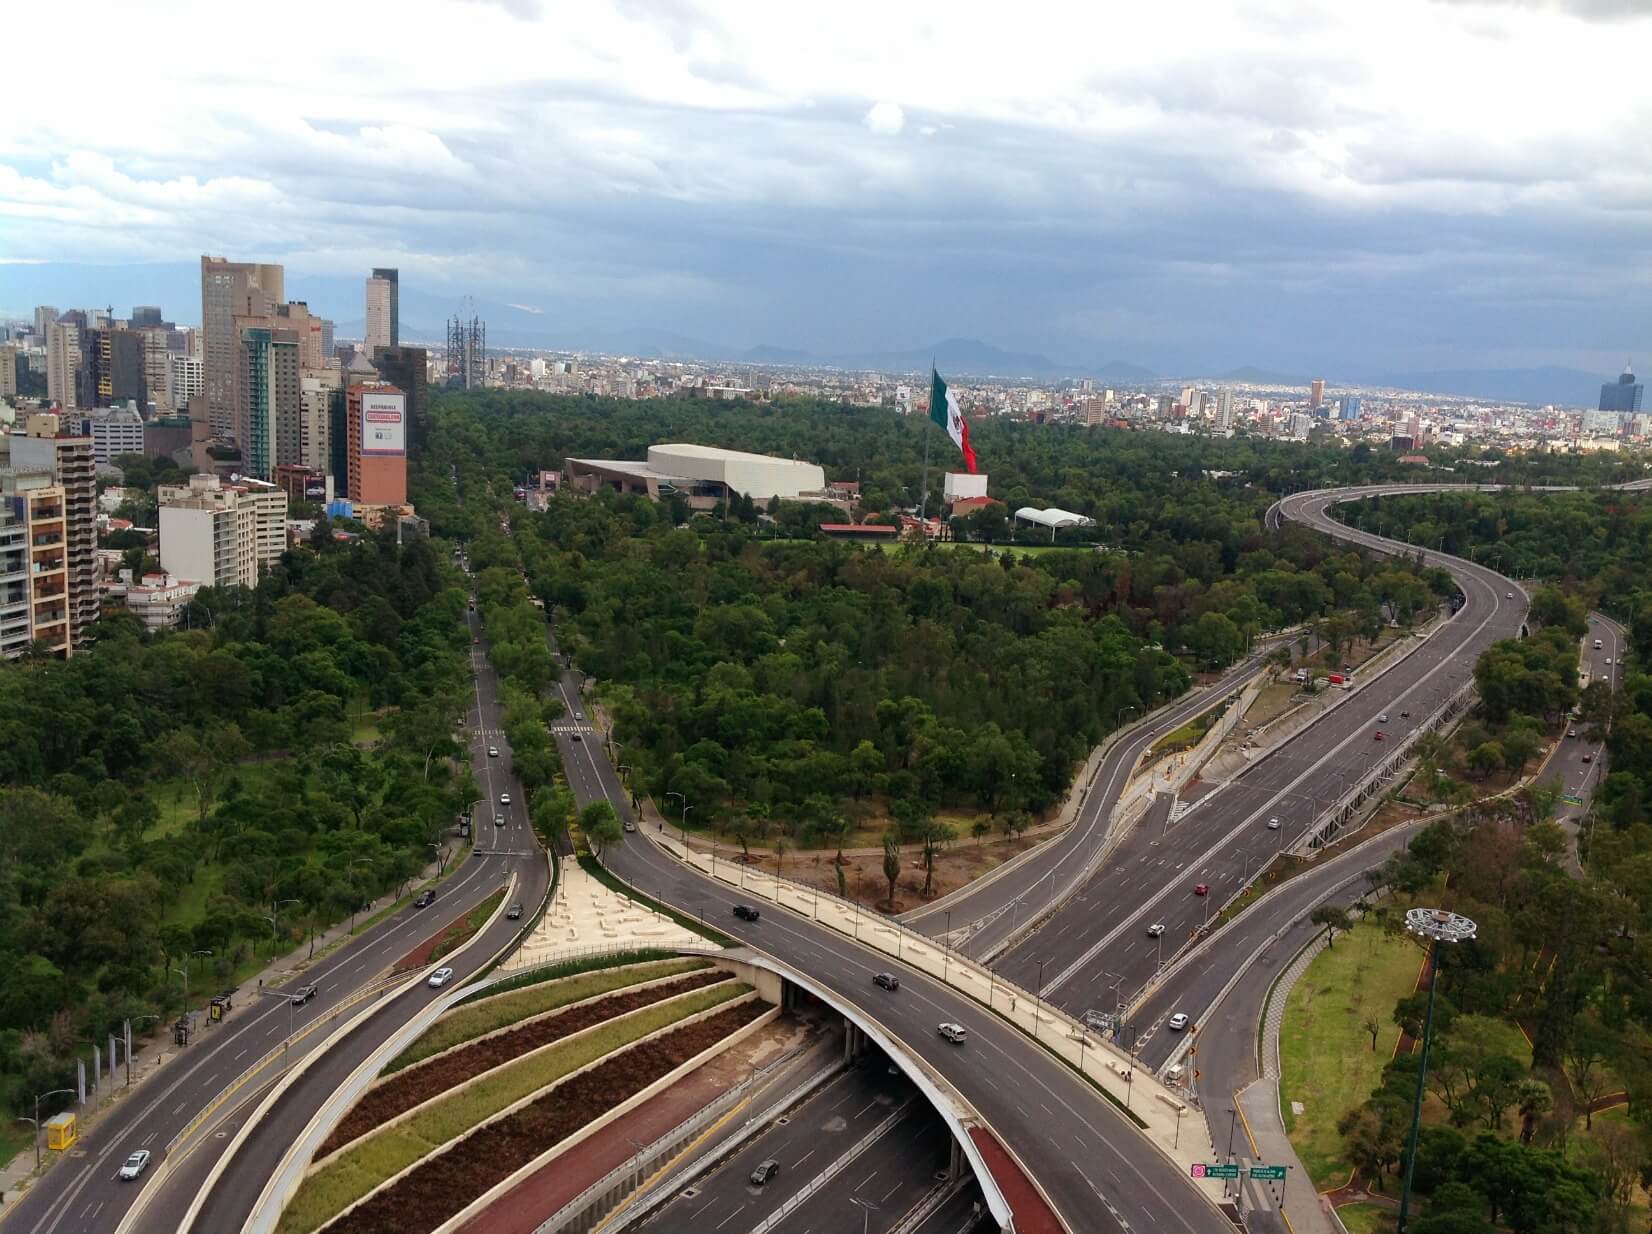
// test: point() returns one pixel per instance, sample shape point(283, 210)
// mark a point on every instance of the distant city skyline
point(1256, 186)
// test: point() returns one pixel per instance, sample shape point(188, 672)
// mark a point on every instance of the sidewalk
point(152, 1053)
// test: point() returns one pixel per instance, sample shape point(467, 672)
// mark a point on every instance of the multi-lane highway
point(81, 1195)
point(508, 848)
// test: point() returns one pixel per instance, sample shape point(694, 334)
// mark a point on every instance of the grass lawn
point(1367, 1218)
point(384, 1153)
point(474, 920)
point(503, 1010)
point(1325, 1053)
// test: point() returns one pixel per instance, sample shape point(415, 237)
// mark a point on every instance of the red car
point(476, 641)
point(1202, 889)
point(1377, 736)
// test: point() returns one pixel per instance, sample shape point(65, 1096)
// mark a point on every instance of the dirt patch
point(420, 955)
point(409, 1088)
point(961, 863)
point(448, 1181)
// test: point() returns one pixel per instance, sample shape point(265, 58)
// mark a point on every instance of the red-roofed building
point(968, 505)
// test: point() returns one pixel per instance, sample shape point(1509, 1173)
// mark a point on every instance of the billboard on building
point(383, 423)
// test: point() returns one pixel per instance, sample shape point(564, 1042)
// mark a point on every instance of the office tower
point(62, 363)
point(269, 396)
point(1224, 410)
point(145, 316)
point(383, 309)
point(317, 388)
point(45, 316)
point(376, 465)
point(408, 368)
point(67, 457)
point(222, 535)
point(188, 378)
point(314, 333)
point(231, 289)
point(467, 353)
point(1624, 394)
point(8, 371)
point(1316, 392)
point(111, 368)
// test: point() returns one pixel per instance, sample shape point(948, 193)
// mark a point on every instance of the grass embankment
point(600, 872)
point(1367, 1218)
point(569, 968)
point(1326, 1061)
point(1191, 733)
point(503, 1010)
point(458, 935)
point(363, 1166)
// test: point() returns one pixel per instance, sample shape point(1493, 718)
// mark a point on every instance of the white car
point(1508, 595)
point(1608, 661)
point(134, 1165)
point(493, 751)
point(439, 978)
point(954, 1033)
point(1274, 824)
point(1383, 718)
point(504, 799)
point(1177, 1022)
point(1156, 930)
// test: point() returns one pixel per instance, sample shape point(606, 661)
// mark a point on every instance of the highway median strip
point(366, 1164)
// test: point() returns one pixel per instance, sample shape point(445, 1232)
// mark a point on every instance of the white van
point(1597, 644)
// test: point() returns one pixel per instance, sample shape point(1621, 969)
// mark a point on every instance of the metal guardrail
point(240, 1081)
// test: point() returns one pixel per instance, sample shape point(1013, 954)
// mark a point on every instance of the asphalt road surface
point(513, 848)
point(1095, 953)
point(80, 1195)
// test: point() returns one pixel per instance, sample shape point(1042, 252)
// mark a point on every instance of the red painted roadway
point(1032, 1214)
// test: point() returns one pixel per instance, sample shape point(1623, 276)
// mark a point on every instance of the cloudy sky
point(1351, 186)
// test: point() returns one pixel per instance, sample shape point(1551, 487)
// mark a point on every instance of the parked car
point(955, 1033)
point(1156, 930)
point(1201, 889)
point(764, 1172)
point(513, 913)
point(425, 900)
point(887, 980)
point(1177, 1022)
point(493, 751)
point(746, 912)
point(304, 994)
point(440, 977)
point(1274, 824)
point(134, 1165)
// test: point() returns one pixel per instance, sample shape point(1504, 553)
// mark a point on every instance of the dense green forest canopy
point(164, 794)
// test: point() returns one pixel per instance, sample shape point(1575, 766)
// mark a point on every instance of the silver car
point(134, 1165)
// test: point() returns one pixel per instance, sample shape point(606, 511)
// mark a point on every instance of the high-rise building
point(62, 363)
point(145, 317)
point(45, 315)
point(114, 431)
point(317, 388)
point(408, 369)
point(383, 309)
point(376, 421)
point(187, 379)
point(1316, 392)
point(33, 607)
point(467, 353)
point(111, 368)
point(1224, 410)
point(315, 334)
point(8, 370)
point(269, 393)
point(221, 535)
point(1350, 407)
point(231, 289)
point(67, 457)
point(1624, 394)
point(15, 578)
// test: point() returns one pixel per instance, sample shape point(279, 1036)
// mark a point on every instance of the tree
point(1584, 1057)
point(1374, 1136)
point(1534, 1100)
point(553, 810)
point(1333, 919)
point(600, 825)
point(1373, 1025)
point(891, 864)
point(981, 828)
point(935, 834)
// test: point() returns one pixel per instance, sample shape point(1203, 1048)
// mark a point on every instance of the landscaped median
point(541, 1070)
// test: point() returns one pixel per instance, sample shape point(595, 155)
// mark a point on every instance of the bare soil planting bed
point(448, 1181)
point(409, 1088)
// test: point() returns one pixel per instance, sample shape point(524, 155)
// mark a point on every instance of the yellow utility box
point(60, 1131)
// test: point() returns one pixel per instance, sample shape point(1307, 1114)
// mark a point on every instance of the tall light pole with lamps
point(24, 1118)
point(1437, 926)
point(680, 798)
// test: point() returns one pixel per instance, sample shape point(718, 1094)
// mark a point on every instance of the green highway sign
point(1201, 1170)
point(1274, 1172)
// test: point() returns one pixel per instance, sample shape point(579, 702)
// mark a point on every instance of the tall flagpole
point(929, 420)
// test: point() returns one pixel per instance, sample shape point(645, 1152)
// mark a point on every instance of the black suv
point(513, 913)
point(425, 900)
point(745, 912)
point(303, 994)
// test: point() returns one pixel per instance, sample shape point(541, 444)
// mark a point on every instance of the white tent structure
point(1053, 519)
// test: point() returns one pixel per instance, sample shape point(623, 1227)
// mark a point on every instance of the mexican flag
point(944, 410)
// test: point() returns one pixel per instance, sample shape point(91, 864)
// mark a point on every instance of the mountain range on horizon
point(517, 325)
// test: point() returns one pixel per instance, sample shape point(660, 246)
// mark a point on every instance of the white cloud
point(885, 119)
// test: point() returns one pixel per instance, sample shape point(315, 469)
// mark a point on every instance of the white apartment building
point(159, 600)
point(188, 378)
point(316, 390)
point(222, 535)
point(115, 431)
point(62, 359)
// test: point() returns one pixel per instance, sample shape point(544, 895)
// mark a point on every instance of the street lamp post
point(23, 1118)
point(1038, 1001)
point(680, 798)
point(1437, 926)
point(273, 914)
point(867, 1208)
point(686, 809)
point(946, 946)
